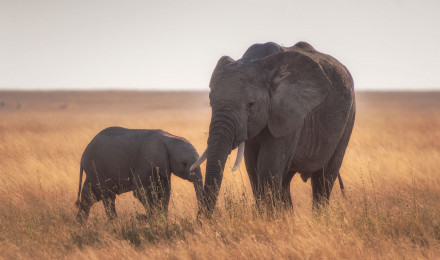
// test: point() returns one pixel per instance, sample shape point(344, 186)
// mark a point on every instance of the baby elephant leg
point(109, 205)
point(164, 192)
point(154, 196)
point(145, 197)
point(88, 198)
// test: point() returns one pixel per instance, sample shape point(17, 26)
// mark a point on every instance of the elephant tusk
point(201, 159)
point(240, 153)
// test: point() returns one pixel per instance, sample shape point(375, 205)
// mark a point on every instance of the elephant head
point(276, 91)
point(181, 156)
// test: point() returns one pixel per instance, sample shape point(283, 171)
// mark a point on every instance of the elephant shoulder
point(338, 74)
point(114, 130)
point(335, 71)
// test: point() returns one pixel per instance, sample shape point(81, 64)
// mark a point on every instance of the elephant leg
point(323, 180)
point(149, 193)
point(109, 205)
point(286, 197)
point(143, 195)
point(88, 198)
point(152, 199)
point(251, 158)
point(138, 195)
point(164, 195)
point(141, 186)
point(322, 185)
point(152, 190)
point(273, 159)
point(160, 190)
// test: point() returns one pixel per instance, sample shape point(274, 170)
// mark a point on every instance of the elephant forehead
point(229, 98)
point(227, 88)
point(236, 74)
point(227, 78)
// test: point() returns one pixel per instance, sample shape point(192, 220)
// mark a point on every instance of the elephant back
point(259, 51)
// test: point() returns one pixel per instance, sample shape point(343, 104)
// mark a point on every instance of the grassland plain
point(391, 172)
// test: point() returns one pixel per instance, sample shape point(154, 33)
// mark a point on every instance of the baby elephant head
point(182, 155)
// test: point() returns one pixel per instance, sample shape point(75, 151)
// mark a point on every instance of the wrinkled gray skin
point(293, 106)
point(118, 160)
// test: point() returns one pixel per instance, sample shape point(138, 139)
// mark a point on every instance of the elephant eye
point(251, 104)
point(184, 164)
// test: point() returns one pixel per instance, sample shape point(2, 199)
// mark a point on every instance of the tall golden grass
point(391, 173)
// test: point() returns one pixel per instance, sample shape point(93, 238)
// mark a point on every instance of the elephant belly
point(316, 145)
point(307, 163)
point(109, 179)
point(124, 183)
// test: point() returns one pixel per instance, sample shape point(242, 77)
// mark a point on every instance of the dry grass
point(391, 172)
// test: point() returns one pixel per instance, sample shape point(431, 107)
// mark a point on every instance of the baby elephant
point(118, 160)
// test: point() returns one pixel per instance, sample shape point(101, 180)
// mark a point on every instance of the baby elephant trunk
point(197, 180)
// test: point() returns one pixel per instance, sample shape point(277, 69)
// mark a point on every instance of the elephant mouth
point(237, 141)
point(235, 144)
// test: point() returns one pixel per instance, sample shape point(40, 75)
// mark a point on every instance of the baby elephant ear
point(298, 85)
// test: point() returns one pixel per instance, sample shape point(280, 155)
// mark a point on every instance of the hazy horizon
point(164, 45)
point(140, 89)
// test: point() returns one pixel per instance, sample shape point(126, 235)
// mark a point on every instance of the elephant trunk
point(220, 142)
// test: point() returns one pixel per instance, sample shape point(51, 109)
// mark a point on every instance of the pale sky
point(162, 45)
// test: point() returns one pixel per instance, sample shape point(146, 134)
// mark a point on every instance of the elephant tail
point(341, 184)
point(78, 200)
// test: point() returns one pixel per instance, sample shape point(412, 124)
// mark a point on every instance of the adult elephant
point(289, 110)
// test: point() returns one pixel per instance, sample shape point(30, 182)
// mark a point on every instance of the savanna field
point(391, 173)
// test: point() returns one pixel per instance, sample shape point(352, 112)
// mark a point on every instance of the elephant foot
point(271, 207)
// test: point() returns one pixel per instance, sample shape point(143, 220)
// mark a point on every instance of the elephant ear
point(298, 85)
point(224, 60)
point(221, 64)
